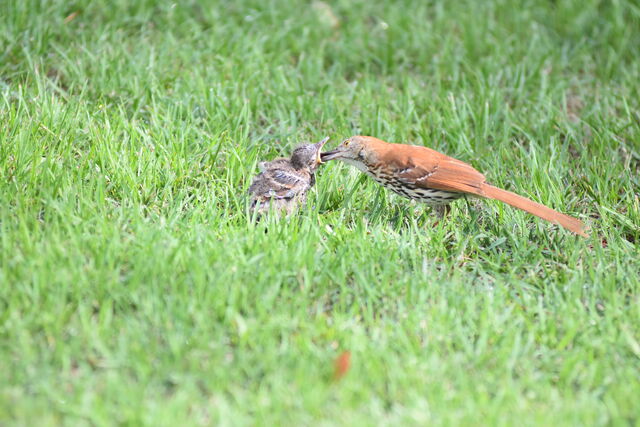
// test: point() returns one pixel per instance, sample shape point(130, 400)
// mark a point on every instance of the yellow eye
point(346, 142)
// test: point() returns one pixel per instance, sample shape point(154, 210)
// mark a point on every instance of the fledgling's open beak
point(318, 146)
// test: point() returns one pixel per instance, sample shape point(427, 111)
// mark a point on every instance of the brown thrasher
point(434, 178)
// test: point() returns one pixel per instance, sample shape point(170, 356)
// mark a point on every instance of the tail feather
point(541, 211)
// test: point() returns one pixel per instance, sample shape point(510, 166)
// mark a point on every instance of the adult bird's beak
point(319, 146)
point(330, 155)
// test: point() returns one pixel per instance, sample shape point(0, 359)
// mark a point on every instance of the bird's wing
point(280, 184)
point(426, 168)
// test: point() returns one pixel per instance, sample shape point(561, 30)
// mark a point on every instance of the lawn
point(135, 290)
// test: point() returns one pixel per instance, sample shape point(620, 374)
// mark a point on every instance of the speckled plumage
point(283, 184)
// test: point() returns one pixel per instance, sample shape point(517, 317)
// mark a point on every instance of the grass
point(135, 290)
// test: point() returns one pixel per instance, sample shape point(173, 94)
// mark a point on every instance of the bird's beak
point(330, 155)
point(319, 146)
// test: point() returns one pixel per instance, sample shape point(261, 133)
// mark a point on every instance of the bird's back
point(428, 168)
point(280, 187)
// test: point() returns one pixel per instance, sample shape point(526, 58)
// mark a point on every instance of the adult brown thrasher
point(434, 178)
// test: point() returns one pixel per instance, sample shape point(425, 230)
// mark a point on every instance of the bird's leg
point(441, 210)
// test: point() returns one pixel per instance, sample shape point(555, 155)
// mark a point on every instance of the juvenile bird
point(434, 178)
point(283, 184)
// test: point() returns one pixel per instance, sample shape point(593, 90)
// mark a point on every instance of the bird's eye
point(346, 142)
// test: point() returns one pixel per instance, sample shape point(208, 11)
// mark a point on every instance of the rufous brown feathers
point(426, 168)
point(541, 211)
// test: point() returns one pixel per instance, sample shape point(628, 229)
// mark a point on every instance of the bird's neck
point(358, 164)
point(304, 169)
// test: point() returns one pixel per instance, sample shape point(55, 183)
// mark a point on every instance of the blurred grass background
point(135, 290)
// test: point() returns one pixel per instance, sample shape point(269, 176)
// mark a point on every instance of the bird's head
point(308, 155)
point(355, 151)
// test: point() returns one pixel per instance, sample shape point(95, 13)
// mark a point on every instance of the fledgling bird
point(282, 184)
point(434, 178)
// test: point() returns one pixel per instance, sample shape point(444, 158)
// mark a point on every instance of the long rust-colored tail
point(541, 211)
